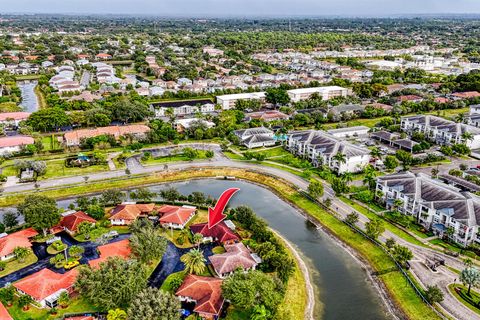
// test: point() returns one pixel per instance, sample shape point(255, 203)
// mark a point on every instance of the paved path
point(425, 276)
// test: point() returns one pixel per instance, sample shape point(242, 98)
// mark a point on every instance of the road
point(443, 277)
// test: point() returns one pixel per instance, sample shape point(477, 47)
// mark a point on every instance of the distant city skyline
point(229, 8)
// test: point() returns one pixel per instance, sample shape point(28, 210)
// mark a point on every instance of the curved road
point(443, 277)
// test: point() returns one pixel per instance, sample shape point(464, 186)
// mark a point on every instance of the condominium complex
point(442, 131)
point(434, 204)
point(228, 101)
point(320, 148)
point(325, 93)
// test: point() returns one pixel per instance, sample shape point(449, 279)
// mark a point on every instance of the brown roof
point(206, 291)
point(45, 282)
point(72, 221)
point(220, 231)
point(15, 141)
point(4, 315)
point(14, 115)
point(130, 211)
point(236, 256)
point(467, 94)
point(16, 239)
point(175, 214)
point(115, 249)
point(116, 131)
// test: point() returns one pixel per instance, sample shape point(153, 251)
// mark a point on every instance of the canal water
point(29, 98)
point(342, 288)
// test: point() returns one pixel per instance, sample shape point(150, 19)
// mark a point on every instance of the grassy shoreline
point(403, 296)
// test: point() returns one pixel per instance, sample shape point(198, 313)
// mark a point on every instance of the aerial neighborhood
point(119, 135)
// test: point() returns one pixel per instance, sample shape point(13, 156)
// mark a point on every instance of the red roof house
point(103, 56)
point(15, 117)
point(466, 94)
point(70, 222)
point(175, 217)
point(4, 315)
point(73, 138)
point(236, 256)
point(219, 232)
point(205, 292)
point(124, 214)
point(410, 98)
point(14, 240)
point(14, 144)
point(267, 115)
point(115, 249)
point(45, 285)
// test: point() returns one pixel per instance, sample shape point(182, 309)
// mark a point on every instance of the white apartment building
point(474, 116)
point(228, 101)
point(442, 131)
point(326, 93)
point(434, 204)
point(256, 137)
point(320, 148)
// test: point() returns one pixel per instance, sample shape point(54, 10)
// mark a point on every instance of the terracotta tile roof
point(220, 232)
point(45, 282)
point(75, 136)
point(16, 239)
point(236, 256)
point(175, 214)
point(15, 141)
point(206, 291)
point(410, 97)
point(130, 211)
point(467, 94)
point(72, 221)
point(115, 249)
point(4, 315)
point(14, 115)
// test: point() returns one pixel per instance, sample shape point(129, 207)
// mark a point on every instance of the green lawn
point(388, 226)
point(218, 250)
point(233, 156)
point(51, 143)
point(174, 158)
point(14, 265)
point(471, 302)
point(167, 284)
point(77, 305)
point(272, 152)
point(56, 168)
point(99, 231)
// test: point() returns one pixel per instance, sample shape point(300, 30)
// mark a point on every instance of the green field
point(56, 168)
point(14, 265)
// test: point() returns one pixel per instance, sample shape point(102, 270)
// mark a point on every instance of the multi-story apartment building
point(326, 93)
point(474, 116)
point(320, 148)
point(434, 204)
point(442, 131)
point(228, 101)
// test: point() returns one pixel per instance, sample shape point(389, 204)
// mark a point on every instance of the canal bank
point(398, 290)
point(30, 100)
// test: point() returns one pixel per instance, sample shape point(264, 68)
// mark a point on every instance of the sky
point(244, 8)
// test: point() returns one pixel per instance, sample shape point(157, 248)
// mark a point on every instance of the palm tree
point(434, 172)
point(460, 117)
point(369, 178)
point(197, 239)
point(194, 261)
point(64, 299)
point(117, 314)
point(183, 235)
point(21, 253)
point(347, 177)
point(375, 152)
point(340, 157)
point(467, 136)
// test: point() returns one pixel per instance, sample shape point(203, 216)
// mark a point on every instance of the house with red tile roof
point(115, 249)
point(13, 118)
point(409, 98)
point(219, 232)
point(441, 100)
point(465, 95)
point(45, 286)
point(73, 138)
point(103, 56)
point(126, 213)
point(205, 293)
point(4, 315)
point(236, 256)
point(71, 220)
point(266, 115)
point(21, 238)
point(14, 144)
point(176, 217)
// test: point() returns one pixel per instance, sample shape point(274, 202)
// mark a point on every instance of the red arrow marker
point(215, 215)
